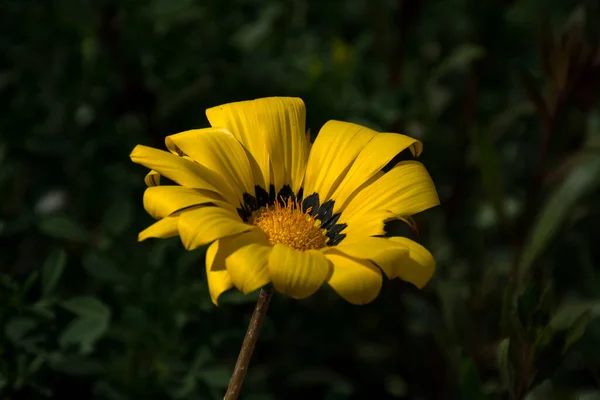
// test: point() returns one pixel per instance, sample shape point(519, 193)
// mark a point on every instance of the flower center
point(291, 226)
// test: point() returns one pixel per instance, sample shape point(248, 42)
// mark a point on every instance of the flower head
point(276, 210)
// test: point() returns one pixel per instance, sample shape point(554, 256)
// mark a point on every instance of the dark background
point(503, 95)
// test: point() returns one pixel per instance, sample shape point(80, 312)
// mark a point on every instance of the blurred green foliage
point(503, 95)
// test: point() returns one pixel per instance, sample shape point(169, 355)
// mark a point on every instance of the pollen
point(288, 224)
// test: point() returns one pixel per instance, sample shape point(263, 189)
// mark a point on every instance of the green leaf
point(533, 92)
point(118, 216)
point(490, 170)
point(61, 226)
point(215, 376)
point(17, 328)
point(577, 330)
point(103, 268)
point(77, 365)
point(84, 332)
point(571, 310)
point(470, 382)
point(87, 307)
point(460, 58)
point(507, 371)
point(52, 271)
point(584, 177)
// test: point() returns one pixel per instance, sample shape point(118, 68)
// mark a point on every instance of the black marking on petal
point(331, 222)
point(262, 197)
point(272, 194)
point(325, 211)
point(334, 235)
point(311, 202)
point(404, 155)
point(300, 195)
point(284, 194)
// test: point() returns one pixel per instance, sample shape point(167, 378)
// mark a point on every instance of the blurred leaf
point(507, 371)
point(460, 58)
point(470, 382)
point(52, 271)
point(87, 307)
point(61, 226)
point(84, 332)
point(17, 328)
point(557, 209)
point(215, 376)
point(577, 330)
point(235, 297)
point(118, 216)
point(77, 366)
point(533, 92)
point(492, 179)
point(572, 310)
point(103, 268)
point(336, 382)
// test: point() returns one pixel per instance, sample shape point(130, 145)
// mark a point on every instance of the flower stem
point(241, 366)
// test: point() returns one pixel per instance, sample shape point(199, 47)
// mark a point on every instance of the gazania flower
point(276, 210)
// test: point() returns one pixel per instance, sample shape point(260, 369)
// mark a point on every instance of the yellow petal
point(386, 254)
point(373, 157)
point(164, 228)
point(182, 171)
point(405, 190)
point(219, 151)
point(246, 257)
point(420, 264)
point(152, 178)
point(161, 201)
point(203, 225)
point(337, 145)
point(218, 278)
point(371, 224)
point(356, 281)
point(295, 273)
point(272, 129)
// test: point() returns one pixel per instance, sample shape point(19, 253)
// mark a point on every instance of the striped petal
point(405, 190)
point(161, 201)
point(336, 147)
point(218, 278)
point(272, 129)
point(163, 229)
point(182, 171)
point(386, 254)
point(246, 258)
point(203, 225)
point(219, 151)
point(419, 266)
point(373, 157)
point(295, 273)
point(152, 179)
point(356, 281)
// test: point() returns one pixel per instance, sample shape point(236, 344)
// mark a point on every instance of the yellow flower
point(276, 210)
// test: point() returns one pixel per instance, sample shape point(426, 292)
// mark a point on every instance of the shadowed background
point(503, 96)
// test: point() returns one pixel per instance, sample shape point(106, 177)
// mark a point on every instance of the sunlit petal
point(161, 201)
point(219, 151)
point(163, 229)
point(182, 171)
point(203, 225)
point(218, 277)
point(356, 281)
point(332, 154)
point(273, 130)
point(419, 266)
point(297, 274)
